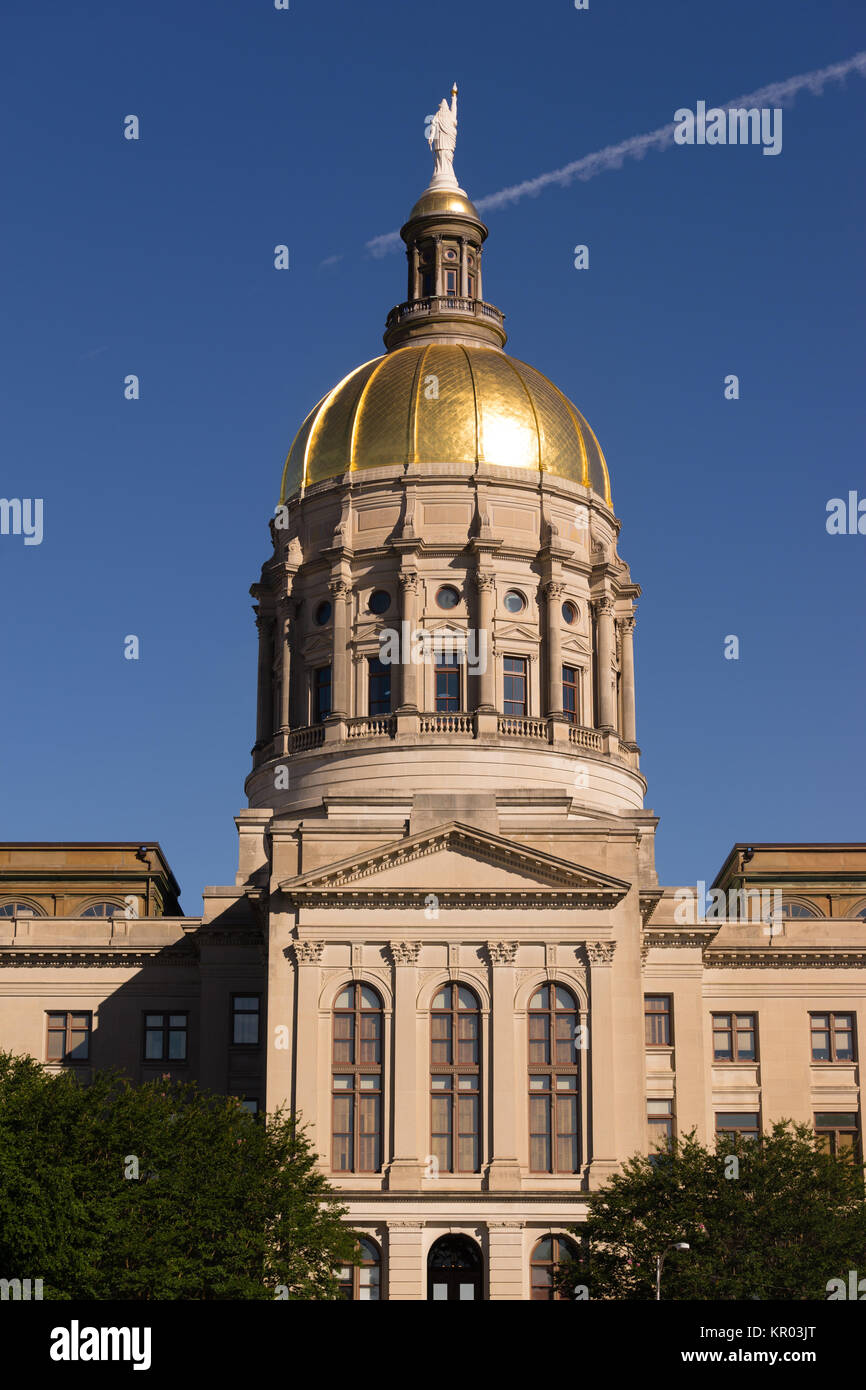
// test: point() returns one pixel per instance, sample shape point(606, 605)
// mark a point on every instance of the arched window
point(362, 1283)
point(553, 1081)
point(548, 1253)
point(792, 910)
point(455, 1080)
point(357, 1081)
point(17, 908)
point(455, 1272)
point(102, 909)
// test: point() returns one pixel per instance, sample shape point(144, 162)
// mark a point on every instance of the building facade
point(446, 945)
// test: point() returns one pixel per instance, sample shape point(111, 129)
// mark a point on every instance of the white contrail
point(612, 156)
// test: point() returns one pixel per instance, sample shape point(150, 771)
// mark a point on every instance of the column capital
point(554, 590)
point(408, 581)
point(340, 588)
point(484, 581)
point(502, 952)
point(404, 952)
point(628, 624)
point(600, 952)
point(603, 605)
point(308, 952)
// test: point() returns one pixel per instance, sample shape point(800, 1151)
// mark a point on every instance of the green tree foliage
point(769, 1220)
point(225, 1205)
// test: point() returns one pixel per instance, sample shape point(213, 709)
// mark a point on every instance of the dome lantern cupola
point(444, 236)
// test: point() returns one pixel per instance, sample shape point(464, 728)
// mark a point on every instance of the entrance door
point(454, 1272)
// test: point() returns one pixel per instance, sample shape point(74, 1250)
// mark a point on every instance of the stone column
point(602, 1153)
point(486, 585)
point(404, 1170)
point(340, 596)
point(308, 955)
point(407, 1273)
point(553, 593)
point(464, 267)
point(409, 671)
point(604, 657)
point(437, 251)
point(265, 625)
point(628, 712)
point(503, 1173)
point(284, 630)
point(414, 282)
point(506, 1263)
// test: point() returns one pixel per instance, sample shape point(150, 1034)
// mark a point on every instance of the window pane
point(246, 1028)
point(78, 1046)
point(344, 998)
point(369, 998)
point(177, 1045)
point(466, 999)
point(541, 999)
point(443, 998)
point(247, 1002)
point(56, 1039)
point(342, 1083)
point(564, 999)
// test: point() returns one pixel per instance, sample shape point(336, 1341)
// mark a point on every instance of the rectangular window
point(832, 1037)
point(838, 1130)
point(471, 285)
point(744, 1122)
point(427, 284)
point(321, 694)
point(165, 1037)
point(245, 1019)
point(514, 692)
point(378, 687)
point(569, 693)
point(451, 283)
point(249, 1103)
point(657, 1020)
point(446, 674)
point(660, 1123)
point(735, 1037)
point(68, 1037)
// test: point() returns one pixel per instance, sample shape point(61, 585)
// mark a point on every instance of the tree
point(159, 1191)
point(776, 1219)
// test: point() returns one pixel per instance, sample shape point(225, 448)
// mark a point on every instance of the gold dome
point(490, 408)
point(439, 201)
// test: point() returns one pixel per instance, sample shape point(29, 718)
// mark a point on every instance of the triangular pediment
point(459, 864)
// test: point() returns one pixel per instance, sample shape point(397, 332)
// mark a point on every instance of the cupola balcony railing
point(459, 724)
point(443, 304)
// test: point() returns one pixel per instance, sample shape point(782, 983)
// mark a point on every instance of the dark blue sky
point(305, 127)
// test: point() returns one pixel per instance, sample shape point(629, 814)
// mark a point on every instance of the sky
point(304, 127)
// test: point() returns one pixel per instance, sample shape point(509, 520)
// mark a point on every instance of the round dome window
point(323, 613)
point(447, 597)
point(380, 601)
point(514, 601)
point(569, 613)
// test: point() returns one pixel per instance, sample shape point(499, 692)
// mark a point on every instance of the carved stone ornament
point(308, 952)
point(405, 952)
point(600, 952)
point(502, 952)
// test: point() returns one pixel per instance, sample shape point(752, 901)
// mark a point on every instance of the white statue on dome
point(442, 139)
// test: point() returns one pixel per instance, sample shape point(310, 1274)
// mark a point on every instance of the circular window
point(380, 601)
point(447, 597)
point(569, 613)
point(514, 601)
point(451, 255)
point(323, 613)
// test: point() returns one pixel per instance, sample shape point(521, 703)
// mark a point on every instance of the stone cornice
point(40, 957)
point(774, 957)
point(649, 899)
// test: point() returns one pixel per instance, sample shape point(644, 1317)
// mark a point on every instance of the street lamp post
point(660, 1259)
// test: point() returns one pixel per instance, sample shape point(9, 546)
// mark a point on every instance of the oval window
point(380, 601)
point(569, 613)
point(447, 597)
point(514, 601)
point(323, 613)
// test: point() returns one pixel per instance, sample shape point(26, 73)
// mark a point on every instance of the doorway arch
point(455, 1270)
